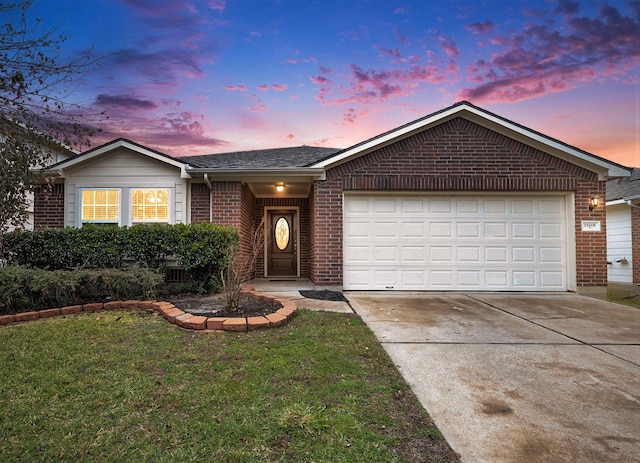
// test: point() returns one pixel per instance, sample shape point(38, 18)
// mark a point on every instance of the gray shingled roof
point(624, 187)
point(298, 156)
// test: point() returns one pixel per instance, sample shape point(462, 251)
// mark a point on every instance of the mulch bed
point(324, 295)
point(251, 305)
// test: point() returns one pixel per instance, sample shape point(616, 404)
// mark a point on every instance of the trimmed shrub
point(91, 246)
point(202, 250)
point(23, 289)
point(149, 245)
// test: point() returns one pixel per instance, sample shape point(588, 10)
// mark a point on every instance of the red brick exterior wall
point(635, 243)
point(457, 155)
point(200, 203)
point(48, 207)
point(232, 204)
point(226, 204)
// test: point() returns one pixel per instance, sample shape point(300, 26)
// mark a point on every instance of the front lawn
point(118, 386)
point(622, 296)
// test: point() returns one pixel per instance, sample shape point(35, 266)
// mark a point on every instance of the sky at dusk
point(192, 77)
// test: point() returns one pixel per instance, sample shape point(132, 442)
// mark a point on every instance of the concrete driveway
point(518, 377)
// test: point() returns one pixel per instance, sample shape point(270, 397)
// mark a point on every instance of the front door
point(282, 247)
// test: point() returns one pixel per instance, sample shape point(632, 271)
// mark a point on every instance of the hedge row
point(202, 250)
point(24, 289)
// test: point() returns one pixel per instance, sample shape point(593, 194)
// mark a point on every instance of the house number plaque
point(591, 226)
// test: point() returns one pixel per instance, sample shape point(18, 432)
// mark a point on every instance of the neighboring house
point(55, 153)
point(461, 199)
point(623, 228)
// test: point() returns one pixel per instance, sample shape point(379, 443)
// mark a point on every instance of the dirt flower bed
point(251, 305)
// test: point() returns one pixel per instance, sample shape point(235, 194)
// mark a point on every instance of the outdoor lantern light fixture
point(593, 202)
point(279, 187)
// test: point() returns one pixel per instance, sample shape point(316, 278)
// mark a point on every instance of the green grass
point(120, 386)
point(621, 296)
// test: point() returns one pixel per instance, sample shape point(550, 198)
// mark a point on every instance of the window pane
point(100, 213)
point(100, 205)
point(163, 213)
point(150, 205)
point(282, 233)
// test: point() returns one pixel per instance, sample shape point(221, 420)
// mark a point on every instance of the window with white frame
point(101, 206)
point(149, 205)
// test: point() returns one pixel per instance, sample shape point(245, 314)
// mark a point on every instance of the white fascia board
point(615, 202)
point(605, 170)
point(266, 174)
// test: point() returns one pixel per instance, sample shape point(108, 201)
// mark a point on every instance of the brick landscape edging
point(170, 313)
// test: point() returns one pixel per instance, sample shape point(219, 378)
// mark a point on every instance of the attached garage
point(472, 242)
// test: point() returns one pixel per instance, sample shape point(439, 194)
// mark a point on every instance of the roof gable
point(604, 168)
point(111, 146)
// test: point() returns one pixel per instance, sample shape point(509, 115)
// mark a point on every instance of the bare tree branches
point(37, 120)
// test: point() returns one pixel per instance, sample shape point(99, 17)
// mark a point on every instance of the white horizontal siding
point(619, 243)
point(125, 170)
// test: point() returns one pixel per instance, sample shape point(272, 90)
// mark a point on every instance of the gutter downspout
point(207, 181)
point(629, 203)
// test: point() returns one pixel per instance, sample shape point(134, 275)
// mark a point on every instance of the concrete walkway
point(290, 289)
point(518, 377)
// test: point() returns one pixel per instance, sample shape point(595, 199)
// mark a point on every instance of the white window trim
point(81, 191)
point(170, 204)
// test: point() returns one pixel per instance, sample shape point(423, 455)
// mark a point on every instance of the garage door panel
point(468, 230)
point(495, 230)
point(440, 230)
point(415, 230)
point(458, 242)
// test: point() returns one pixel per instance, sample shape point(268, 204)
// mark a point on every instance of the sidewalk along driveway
point(518, 377)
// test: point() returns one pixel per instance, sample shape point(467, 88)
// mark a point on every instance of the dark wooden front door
point(282, 246)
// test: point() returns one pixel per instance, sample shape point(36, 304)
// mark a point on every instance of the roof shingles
point(298, 156)
point(625, 187)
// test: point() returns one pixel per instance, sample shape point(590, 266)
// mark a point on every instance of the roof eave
point(260, 174)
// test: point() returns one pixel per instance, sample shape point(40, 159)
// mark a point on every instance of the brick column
point(200, 203)
point(48, 207)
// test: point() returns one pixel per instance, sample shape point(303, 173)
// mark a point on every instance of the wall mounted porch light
point(593, 202)
point(279, 187)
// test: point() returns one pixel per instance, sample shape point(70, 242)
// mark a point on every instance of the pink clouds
point(479, 28)
point(275, 87)
point(177, 133)
point(124, 102)
point(449, 46)
point(548, 58)
point(236, 88)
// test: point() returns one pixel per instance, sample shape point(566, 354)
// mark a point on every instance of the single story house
point(461, 199)
point(623, 228)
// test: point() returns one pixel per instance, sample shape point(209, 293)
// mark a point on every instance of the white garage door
point(491, 243)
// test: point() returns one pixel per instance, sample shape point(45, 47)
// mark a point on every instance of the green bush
point(202, 250)
point(23, 289)
point(149, 246)
point(91, 246)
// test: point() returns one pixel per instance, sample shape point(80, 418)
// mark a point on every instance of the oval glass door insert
point(282, 233)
